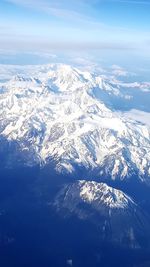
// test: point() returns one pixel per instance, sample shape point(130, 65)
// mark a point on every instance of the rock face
point(64, 114)
point(116, 216)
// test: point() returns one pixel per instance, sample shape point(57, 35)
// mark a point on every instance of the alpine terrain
point(75, 168)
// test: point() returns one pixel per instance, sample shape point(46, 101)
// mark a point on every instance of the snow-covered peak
point(101, 192)
point(96, 194)
point(65, 78)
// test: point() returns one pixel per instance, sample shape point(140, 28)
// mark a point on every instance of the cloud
point(72, 2)
point(119, 71)
point(27, 42)
point(74, 10)
point(136, 2)
point(138, 115)
point(72, 25)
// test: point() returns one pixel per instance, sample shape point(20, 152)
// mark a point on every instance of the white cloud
point(141, 116)
point(136, 2)
point(119, 71)
point(72, 10)
point(74, 29)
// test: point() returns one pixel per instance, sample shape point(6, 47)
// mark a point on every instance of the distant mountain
point(116, 216)
point(69, 116)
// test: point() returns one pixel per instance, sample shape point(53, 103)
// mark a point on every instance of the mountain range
point(72, 117)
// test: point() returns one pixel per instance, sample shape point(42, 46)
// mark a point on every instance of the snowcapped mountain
point(116, 215)
point(98, 195)
point(67, 115)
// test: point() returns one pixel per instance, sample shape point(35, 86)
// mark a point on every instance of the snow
point(111, 197)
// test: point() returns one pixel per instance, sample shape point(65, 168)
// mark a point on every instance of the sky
point(106, 29)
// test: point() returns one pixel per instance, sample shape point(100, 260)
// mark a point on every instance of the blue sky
point(109, 26)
